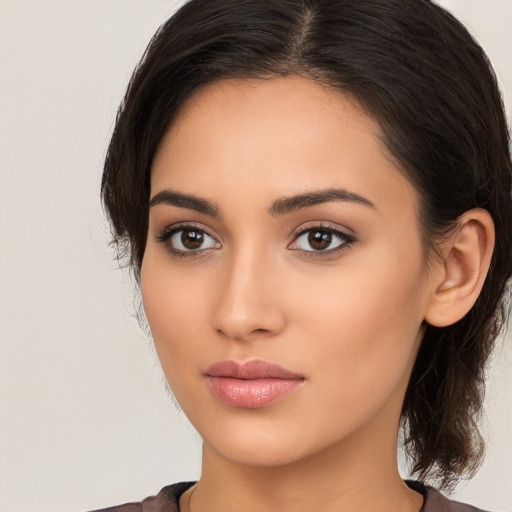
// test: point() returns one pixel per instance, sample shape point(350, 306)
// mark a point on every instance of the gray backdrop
point(84, 417)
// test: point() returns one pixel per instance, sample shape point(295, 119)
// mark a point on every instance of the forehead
point(273, 109)
point(283, 135)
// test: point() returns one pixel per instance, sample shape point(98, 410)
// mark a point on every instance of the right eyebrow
point(187, 201)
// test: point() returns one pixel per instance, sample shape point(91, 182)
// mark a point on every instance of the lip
point(252, 384)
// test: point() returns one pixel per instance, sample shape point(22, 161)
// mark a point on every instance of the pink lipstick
point(252, 384)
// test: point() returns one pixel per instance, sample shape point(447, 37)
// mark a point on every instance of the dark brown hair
point(420, 74)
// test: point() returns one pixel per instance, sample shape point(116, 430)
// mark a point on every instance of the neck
point(347, 476)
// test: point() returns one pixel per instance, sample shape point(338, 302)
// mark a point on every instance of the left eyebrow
point(309, 199)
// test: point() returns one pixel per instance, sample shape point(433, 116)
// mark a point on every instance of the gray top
point(168, 498)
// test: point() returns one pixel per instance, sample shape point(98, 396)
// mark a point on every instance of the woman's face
point(280, 232)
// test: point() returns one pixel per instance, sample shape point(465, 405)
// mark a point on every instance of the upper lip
point(250, 370)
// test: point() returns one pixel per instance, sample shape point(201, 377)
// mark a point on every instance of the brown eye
point(187, 240)
point(319, 240)
point(192, 239)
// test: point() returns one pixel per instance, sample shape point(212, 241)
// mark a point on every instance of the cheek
point(172, 306)
point(172, 314)
point(365, 322)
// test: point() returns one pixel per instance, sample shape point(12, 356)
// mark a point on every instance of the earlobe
point(460, 276)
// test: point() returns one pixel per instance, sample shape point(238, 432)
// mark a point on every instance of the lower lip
point(254, 393)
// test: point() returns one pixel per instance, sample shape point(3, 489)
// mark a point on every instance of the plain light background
point(85, 421)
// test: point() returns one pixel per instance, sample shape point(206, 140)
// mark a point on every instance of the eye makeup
point(320, 240)
point(316, 240)
point(187, 240)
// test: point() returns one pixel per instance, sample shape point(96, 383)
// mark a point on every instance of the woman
point(315, 198)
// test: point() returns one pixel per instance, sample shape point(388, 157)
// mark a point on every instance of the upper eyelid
point(342, 234)
point(178, 226)
point(327, 226)
point(166, 235)
point(338, 230)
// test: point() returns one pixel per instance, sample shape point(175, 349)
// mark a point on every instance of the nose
point(248, 303)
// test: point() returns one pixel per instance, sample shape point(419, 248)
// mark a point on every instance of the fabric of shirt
point(167, 500)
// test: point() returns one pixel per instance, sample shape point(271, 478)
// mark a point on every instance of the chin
point(268, 444)
point(258, 453)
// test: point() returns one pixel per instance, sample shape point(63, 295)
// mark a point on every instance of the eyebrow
point(188, 201)
point(309, 199)
point(278, 207)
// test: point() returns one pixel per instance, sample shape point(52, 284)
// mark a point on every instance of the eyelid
point(170, 230)
point(344, 234)
point(347, 238)
point(322, 224)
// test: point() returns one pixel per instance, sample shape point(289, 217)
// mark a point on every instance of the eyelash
point(166, 235)
point(345, 240)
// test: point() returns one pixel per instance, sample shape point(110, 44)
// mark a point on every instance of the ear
point(460, 274)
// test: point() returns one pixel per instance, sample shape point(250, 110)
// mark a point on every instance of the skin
point(349, 321)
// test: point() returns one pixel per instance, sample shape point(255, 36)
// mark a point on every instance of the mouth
point(253, 384)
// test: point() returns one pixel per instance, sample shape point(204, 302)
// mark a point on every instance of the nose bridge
point(246, 305)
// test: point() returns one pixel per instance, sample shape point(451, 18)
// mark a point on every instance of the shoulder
point(165, 501)
point(437, 502)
